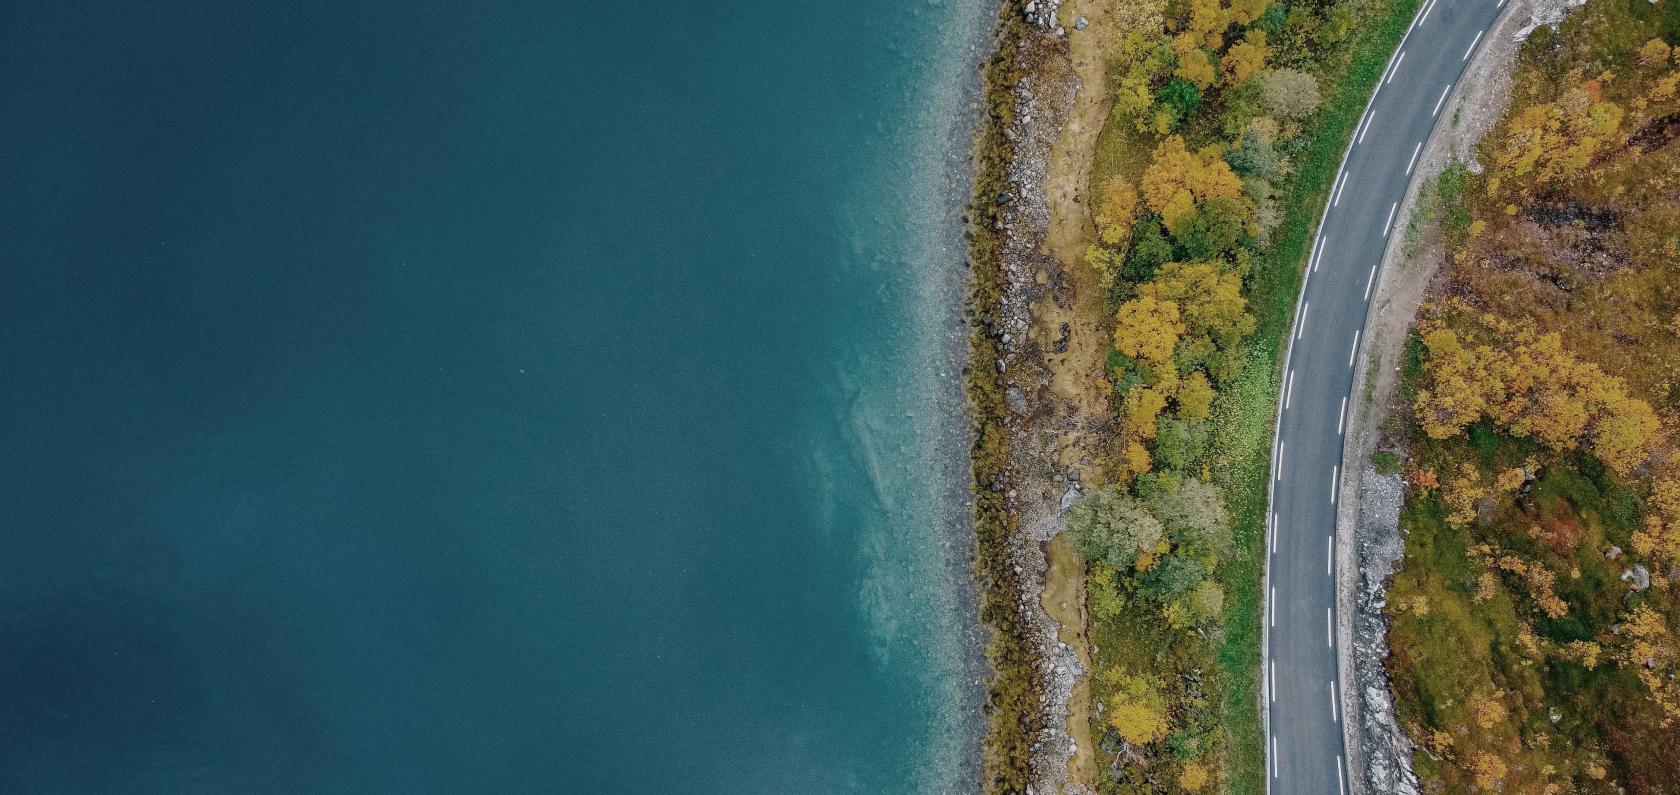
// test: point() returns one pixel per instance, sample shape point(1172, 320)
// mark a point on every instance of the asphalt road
point(1305, 753)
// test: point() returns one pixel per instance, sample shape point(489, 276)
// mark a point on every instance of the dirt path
point(1072, 325)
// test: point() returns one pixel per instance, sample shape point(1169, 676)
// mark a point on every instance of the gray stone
point(1079, 23)
point(1017, 401)
point(1640, 577)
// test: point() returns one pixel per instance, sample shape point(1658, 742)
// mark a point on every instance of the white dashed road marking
point(1473, 43)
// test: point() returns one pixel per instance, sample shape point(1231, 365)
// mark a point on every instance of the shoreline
point(1028, 89)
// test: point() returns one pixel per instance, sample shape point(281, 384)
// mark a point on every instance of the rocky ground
point(1379, 753)
point(1044, 426)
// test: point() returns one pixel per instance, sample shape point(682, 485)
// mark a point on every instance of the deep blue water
point(483, 397)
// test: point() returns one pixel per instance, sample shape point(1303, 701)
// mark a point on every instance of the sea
point(486, 397)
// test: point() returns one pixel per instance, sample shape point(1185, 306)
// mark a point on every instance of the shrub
point(1385, 462)
point(1289, 93)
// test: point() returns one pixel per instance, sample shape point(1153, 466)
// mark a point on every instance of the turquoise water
point(537, 397)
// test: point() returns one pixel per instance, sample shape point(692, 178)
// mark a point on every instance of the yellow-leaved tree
point(1148, 328)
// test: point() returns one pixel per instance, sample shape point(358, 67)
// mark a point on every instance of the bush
point(1385, 462)
point(1289, 93)
point(1182, 97)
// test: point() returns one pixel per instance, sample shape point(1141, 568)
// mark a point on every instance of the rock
point(1032, 7)
point(1079, 23)
point(1005, 197)
point(1615, 552)
point(1639, 576)
point(1069, 497)
point(1017, 401)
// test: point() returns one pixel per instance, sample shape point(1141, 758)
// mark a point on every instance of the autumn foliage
point(1533, 619)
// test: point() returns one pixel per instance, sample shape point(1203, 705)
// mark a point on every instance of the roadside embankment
point(1379, 753)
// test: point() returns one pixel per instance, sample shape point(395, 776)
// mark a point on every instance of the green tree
point(1180, 442)
point(1110, 526)
point(1194, 516)
point(1171, 577)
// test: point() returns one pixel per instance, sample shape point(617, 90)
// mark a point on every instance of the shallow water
point(537, 397)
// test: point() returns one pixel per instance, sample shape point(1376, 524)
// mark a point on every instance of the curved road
point(1304, 752)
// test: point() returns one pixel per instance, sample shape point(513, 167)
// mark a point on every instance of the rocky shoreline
point(1031, 87)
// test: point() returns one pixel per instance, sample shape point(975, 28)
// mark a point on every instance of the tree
point(1206, 603)
point(1136, 709)
point(1176, 173)
point(1133, 96)
point(1551, 141)
point(1245, 57)
point(1529, 385)
point(1489, 770)
point(1116, 205)
point(1110, 526)
point(1654, 53)
point(1256, 152)
point(1214, 229)
point(1194, 777)
point(1180, 442)
point(1171, 577)
point(1195, 396)
point(1194, 517)
point(1195, 68)
point(1143, 405)
point(1289, 93)
point(1209, 297)
point(1147, 328)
